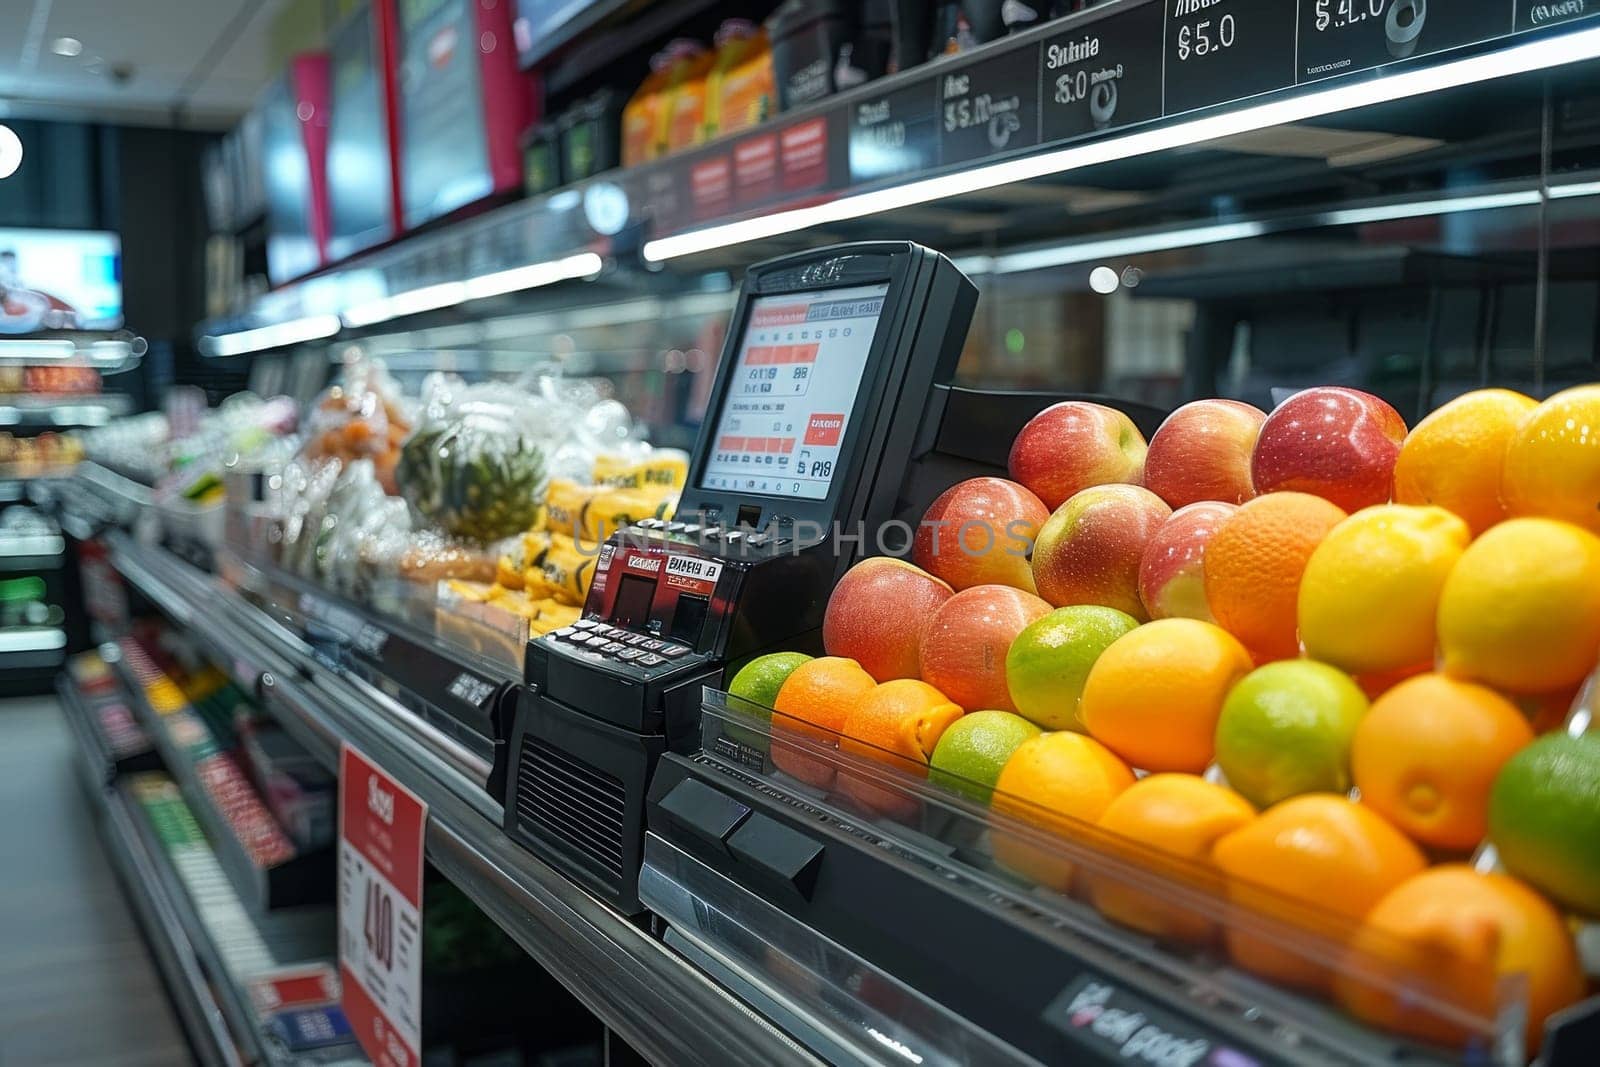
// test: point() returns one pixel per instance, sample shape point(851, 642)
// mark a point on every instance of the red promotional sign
point(381, 828)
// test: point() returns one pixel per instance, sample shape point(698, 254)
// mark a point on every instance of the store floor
point(77, 985)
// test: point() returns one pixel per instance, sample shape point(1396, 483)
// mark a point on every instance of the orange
point(1455, 457)
point(1426, 755)
point(1253, 566)
point(1154, 694)
point(1552, 464)
point(1451, 932)
point(898, 724)
point(1181, 815)
point(1060, 782)
point(821, 692)
point(1315, 861)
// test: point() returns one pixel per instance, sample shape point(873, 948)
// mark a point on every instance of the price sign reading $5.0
point(381, 828)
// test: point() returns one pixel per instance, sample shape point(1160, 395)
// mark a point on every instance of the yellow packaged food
point(567, 570)
point(517, 604)
point(615, 508)
point(740, 91)
point(661, 468)
point(472, 592)
point(554, 614)
point(686, 107)
point(564, 503)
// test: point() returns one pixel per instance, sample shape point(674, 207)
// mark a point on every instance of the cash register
point(831, 416)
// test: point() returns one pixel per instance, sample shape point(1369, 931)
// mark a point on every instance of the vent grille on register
point(568, 800)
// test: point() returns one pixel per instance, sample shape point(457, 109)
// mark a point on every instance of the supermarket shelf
point(170, 924)
point(660, 1003)
point(97, 763)
point(63, 411)
point(307, 878)
point(946, 131)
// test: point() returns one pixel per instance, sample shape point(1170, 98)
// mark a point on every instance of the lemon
point(1370, 594)
point(974, 748)
point(1552, 463)
point(1286, 729)
point(1544, 818)
point(1521, 609)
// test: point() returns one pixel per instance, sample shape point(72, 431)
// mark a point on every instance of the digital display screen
point(59, 280)
point(794, 383)
point(444, 146)
point(291, 244)
point(358, 142)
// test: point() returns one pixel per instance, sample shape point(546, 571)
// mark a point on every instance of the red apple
point(1202, 452)
point(964, 648)
point(980, 532)
point(1336, 443)
point(1075, 444)
point(1172, 577)
point(1090, 550)
point(877, 614)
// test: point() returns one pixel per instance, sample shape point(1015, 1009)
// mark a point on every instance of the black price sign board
point(894, 134)
point(1224, 50)
point(1340, 36)
point(1536, 14)
point(989, 107)
point(1104, 74)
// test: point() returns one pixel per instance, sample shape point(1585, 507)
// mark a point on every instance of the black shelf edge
point(187, 959)
point(97, 764)
point(307, 878)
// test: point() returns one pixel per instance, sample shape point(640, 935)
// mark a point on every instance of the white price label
point(381, 829)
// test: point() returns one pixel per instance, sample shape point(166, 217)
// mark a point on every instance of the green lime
point(972, 750)
point(1285, 729)
point(1049, 660)
point(1544, 818)
point(759, 680)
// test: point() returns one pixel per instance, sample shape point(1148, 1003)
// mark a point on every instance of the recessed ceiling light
point(10, 152)
point(67, 46)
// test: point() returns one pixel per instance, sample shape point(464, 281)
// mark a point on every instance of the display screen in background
point(794, 383)
point(291, 245)
point(59, 280)
point(358, 143)
point(443, 143)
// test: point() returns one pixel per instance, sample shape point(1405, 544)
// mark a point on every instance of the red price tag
point(381, 827)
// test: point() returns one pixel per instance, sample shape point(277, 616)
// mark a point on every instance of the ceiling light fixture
point(10, 152)
point(67, 46)
point(1518, 59)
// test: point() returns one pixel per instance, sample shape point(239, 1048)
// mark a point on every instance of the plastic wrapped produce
point(361, 417)
point(477, 466)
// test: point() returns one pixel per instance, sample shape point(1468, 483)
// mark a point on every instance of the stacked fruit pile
point(1308, 652)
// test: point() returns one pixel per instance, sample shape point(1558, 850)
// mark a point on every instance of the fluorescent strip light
point(1112, 248)
point(31, 640)
point(1420, 208)
point(410, 302)
point(1562, 192)
point(32, 351)
point(1519, 59)
point(278, 335)
point(517, 279)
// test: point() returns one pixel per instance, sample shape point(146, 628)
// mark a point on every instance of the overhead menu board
point(363, 192)
point(462, 105)
point(1139, 60)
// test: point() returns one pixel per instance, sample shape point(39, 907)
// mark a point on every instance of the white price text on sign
point(381, 827)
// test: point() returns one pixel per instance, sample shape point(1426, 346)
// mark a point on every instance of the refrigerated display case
point(1156, 203)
